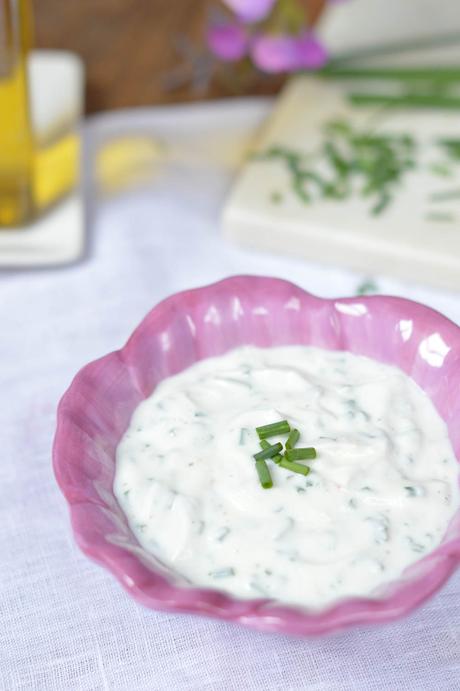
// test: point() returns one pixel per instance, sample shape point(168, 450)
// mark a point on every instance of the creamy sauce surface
point(379, 496)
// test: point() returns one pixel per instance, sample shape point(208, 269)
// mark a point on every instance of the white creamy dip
point(379, 496)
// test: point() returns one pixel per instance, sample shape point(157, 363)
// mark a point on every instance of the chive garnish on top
point(300, 454)
point(294, 467)
point(293, 438)
point(273, 429)
point(273, 452)
point(264, 445)
point(269, 452)
point(264, 474)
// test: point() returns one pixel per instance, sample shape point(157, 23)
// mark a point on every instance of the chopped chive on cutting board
point(370, 187)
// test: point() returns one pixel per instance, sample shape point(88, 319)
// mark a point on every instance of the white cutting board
point(403, 241)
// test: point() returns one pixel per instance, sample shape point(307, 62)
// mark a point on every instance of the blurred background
point(62, 61)
point(132, 50)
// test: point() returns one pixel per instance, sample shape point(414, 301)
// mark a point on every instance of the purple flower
point(229, 42)
point(287, 53)
point(250, 10)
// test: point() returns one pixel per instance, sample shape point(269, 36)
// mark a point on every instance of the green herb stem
point(392, 47)
point(377, 162)
point(381, 204)
point(407, 74)
point(441, 169)
point(265, 445)
point(293, 438)
point(273, 429)
point(428, 100)
point(264, 474)
point(367, 287)
point(300, 454)
point(294, 467)
point(451, 147)
point(269, 452)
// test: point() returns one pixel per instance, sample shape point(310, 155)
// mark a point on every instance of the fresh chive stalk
point(406, 74)
point(377, 161)
point(451, 148)
point(428, 100)
point(360, 55)
point(273, 429)
point(300, 454)
point(264, 474)
point(273, 452)
point(381, 204)
point(294, 467)
point(269, 452)
point(265, 445)
point(293, 438)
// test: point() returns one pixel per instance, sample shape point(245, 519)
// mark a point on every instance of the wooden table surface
point(131, 48)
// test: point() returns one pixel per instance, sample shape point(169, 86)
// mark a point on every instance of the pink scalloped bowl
point(96, 410)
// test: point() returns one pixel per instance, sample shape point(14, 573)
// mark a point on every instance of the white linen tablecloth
point(64, 622)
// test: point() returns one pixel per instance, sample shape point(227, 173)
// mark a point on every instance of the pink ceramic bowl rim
point(195, 324)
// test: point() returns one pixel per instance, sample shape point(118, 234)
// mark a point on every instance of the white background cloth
point(65, 623)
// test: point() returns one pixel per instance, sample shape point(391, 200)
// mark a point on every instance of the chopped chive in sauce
point(265, 445)
point(273, 429)
point(243, 433)
point(412, 491)
point(264, 474)
point(287, 528)
point(222, 533)
point(294, 467)
point(222, 573)
point(415, 546)
point(273, 451)
point(255, 586)
point(293, 438)
point(300, 454)
point(269, 452)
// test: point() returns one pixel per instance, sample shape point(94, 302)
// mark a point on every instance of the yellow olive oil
point(33, 176)
point(16, 142)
